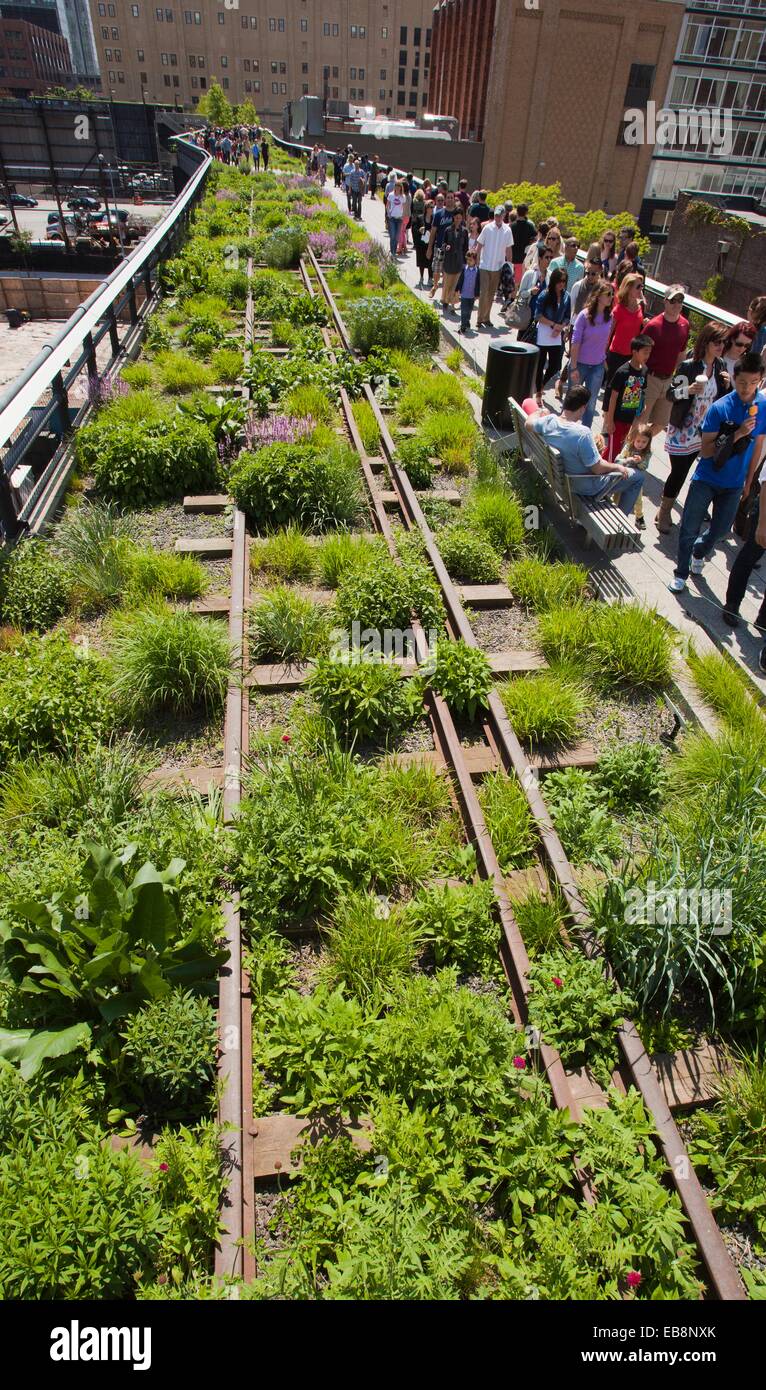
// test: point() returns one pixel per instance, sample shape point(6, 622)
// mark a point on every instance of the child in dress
point(636, 453)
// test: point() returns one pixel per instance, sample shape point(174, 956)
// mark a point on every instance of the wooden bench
point(603, 522)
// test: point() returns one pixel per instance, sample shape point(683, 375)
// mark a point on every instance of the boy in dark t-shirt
point(625, 392)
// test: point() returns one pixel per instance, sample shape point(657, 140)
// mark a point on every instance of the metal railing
point(40, 409)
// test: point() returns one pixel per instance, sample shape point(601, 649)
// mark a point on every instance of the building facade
point(77, 28)
point(719, 69)
point(32, 57)
point(268, 51)
point(546, 87)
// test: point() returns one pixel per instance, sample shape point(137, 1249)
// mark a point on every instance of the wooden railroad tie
point(275, 1138)
point(690, 1077)
point(211, 502)
point(206, 547)
point(201, 778)
point(290, 676)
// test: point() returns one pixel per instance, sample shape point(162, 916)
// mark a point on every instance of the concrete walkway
point(696, 613)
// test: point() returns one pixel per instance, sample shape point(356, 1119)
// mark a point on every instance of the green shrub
point(540, 920)
point(509, 820)
point(579, 808)
point(283, 333)
point(169, 1054)
point(544, 708)
point(288, 554)
point(369, 949)
point(284, 247)
point(618, 644)
point(139, 463)
point(363, 699)
point(52, 695)
point(541, 586)
point(162, 574)
point(33, 587)
point(340, 553)
point(415, 458)
point(631, 774)
point(166, 660)
point(227, 365)
point(728, 1144)
point(577, 1010)
point(285, 483)
point(430, 391)
point(469, 558)
point(459, 926)
point(386, 321)
point(318, 1049)
point(386, 595)
point(138, 375)
point(286, 627)
point(463, 676)
point(454, 360)
point(309, 401)
point(180, 373)
point(368, 426)
point(498, 515)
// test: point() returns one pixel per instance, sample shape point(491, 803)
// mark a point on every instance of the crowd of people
point(240, 142)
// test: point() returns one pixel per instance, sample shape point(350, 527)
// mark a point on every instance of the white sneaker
point(697, 566)
point(677, 584)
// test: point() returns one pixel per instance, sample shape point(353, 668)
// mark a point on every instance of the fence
point(40, 410)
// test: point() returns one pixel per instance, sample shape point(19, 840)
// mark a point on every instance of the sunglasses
point(742, 342)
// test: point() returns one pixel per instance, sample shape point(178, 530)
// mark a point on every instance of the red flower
point(633, 1279)
point(163, 1167)
point(286, 738)
point(557, 982)
point(162, 1278)
point(519, 1063)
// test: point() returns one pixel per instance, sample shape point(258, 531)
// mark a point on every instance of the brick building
point(32, 57)
point(727, 252)
point(362, 51)
point(546, 86)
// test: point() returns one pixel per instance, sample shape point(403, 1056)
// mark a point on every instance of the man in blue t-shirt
point(589, 475)
point(733, 434)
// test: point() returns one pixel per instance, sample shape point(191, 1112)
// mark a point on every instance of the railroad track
point(503, 750)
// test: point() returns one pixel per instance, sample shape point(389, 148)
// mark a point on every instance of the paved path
point(695, 612)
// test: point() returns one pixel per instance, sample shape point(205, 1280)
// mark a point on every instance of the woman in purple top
point(590, 338)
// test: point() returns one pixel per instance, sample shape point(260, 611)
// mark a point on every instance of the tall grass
point(498, 515)
point(313, 401)
point(724, 687)
point(93, 541)
point(544, 708)
point(367, 425)
point(179, 372)
point(286, 627)
point(288, 554)
point(94, 787)
point(540, 586)
point(338, 554)
point(369, 949)
point(620, 645)
point(166, 660)
point(430, 391)
point(509, 820)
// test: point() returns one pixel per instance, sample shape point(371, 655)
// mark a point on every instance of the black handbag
point(528, 334)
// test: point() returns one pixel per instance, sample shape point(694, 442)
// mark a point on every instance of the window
point(113, 77)
point(283, 88)
point(224, 83)
point(401, 75)
point(403, 34)
point(304, 67)
point(104, 32)
point(354, 30)
point(253, 21)
point(164, 60)
point(115, 33)
point(362, 31)
point(168, 16)
point(325, 71)
point(111, 11)
point(197, 17)
point(244, 21)
point(402, 57)
point(140, 54)
point(335, 91)
point(416, 37)
point(352, 73)
point(221, 17)
point(275, 88)
point(224, 61)
point(424, 99)
point(274, 67)
point(413, 98)
point(335, 72)
point(166, 79)
point(382, 94)
point(383, 75)
point(361, 93)
point(188, 18)
point(400, 98)
point(143, 78)
point(352, 93)
point(414, 78)
point(135, 10)
point(203, 83)
point(102, 10)
point(176, 81)
point(417, 59)
point(304, 26)
point(200, 61)
point(246, 64)
point(428, 38)
point(273, 26)
point(326, 30)
point(118, 55)
point(256, 86)
point(107, 54)
point(160, 15)
point(305, 88)
point(335, 30)
point(361, 73)
point(248, 85)
point(195, 81)
point(384, 33)
point(173, 60)
point(639, 85)
point(256, 66)
point(281, 26)
point(283, 67)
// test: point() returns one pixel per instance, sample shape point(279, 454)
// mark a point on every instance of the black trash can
point(14, 318)
point(510, 372)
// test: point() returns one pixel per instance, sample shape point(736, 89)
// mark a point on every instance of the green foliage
point(52, 694)
point(168, 1057)
point(541, 586)
point(180, 373)
point(729, 1145)
point(188, 1181)
point(582, 818)
point(620, 645)
point(390, 322)
point(463, 676)
point(309, 401)
point(138, 375)
point(497, 514)
point(509, 820)
point(724, 687)
point(285, 483)
point(94, 952)
point(631, 775)
point(454, 360)
point(386, 596)
point(341, 553)
point(288, 554)
point(283, 248)
point(363, 699)
point(167, 660)
point(459, 926)
point(541, 921)
point(577, 1010)
point(369, 948)
point(368, 426)
point(140, 462)
point(544, 708)
point(92, 543)
point(451, 438)
point(415, 457)
point(226, 365)
point(546, 201)
point(318, 1050)
point(469, 558)
point(33, 589)
point(430, 391)
point(287, 627)
point(162, 574)
point(91, 788)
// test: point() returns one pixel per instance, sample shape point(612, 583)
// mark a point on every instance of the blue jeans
point(394, 223)
point(725, 501)
point(466, 307)
point(591, 375)
point(604, 484)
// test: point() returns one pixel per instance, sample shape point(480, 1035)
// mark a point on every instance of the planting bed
point(433, 854)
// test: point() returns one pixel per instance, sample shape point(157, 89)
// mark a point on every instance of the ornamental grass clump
point(367, 425)
point(469, 557)
point(496, 514)
point(169, 661)
point(544, 708)
point(340, 553)
point(621, 646)
point(288, 554)
point(286, 627)
point(430, 391)
point(541, 586)
point(509, 820)
point(369, 949)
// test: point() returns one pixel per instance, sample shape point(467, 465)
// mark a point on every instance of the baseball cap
point(499, 209)
point(675, 292)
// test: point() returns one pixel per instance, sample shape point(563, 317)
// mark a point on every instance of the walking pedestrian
point(608, 253)
point(569, 262)
point(402, 244)
point(480, 209)
point(624, 398)
point(395, 210)
point(733, 433)
point(627, 323)
point(751, 553)
point(523, 236)
point(373, 178)
point(467, 285)
point(698, 381)
point(455, 246)
point(590, 335)
point(443, 216)
point(265, 153)
point(495, 247)
point(738, 341)
point(669, 332)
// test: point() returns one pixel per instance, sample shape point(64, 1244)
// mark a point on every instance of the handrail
point(26, 389)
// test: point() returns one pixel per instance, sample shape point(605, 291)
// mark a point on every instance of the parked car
point(122, 215)
point(84, 203)
point(54, 232)
point(19, 200)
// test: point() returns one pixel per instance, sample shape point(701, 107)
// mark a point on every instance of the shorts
point(437, 261)
point(657, 407)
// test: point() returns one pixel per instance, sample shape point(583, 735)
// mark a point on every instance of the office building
point(33, 56)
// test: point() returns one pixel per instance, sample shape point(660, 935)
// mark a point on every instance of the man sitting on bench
point(589, 475)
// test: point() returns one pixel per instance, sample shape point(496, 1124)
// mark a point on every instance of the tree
point(216, 106)
point(246, 114)
point(547, 201)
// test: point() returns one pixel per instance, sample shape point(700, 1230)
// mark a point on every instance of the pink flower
point(519, 1063)
point(557, 982)
point(633, 1279)
point(163, 1167)
point(286, 738)
point(162, 1278)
